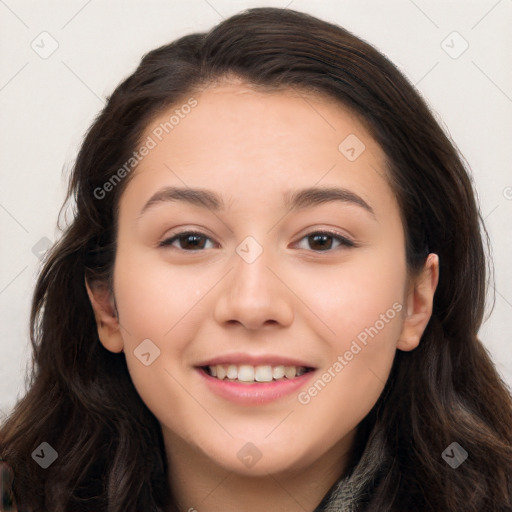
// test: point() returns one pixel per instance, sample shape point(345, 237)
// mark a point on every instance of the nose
point(255, 295)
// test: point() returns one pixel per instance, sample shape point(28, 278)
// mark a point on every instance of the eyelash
point(347, 243)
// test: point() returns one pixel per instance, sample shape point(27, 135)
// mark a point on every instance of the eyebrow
point(293, 200)
point(195, 196)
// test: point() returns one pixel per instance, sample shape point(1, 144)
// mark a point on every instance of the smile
point(251, 374)
point(290, 380)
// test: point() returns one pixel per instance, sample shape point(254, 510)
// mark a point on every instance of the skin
point(296, 299)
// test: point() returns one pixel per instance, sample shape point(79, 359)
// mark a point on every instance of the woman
point(201, 344)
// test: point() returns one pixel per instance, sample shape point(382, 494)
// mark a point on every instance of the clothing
point(355, 489)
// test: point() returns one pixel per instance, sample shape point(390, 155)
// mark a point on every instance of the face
point(273, 280)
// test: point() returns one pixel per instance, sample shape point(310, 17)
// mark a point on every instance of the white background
point(47, 105)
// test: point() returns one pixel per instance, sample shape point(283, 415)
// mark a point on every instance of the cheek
point(154, 299)
point(353, 295)
point(160, 304)
point(367, 324)
point(163, 304)
point(360, 302)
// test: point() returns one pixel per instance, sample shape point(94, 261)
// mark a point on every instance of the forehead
point(241, 116)
point(236, 137)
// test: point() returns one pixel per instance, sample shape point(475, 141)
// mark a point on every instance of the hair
point(80, 397)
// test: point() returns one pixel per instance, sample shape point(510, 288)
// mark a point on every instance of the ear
point(420, 299)
point(105, 313)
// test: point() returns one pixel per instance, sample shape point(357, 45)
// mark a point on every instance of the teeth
point(232, 372)
point(278, 372)
point(221, 371)
point(263, 374)
point(290, 372)
point(249, 373)
point(245, 373)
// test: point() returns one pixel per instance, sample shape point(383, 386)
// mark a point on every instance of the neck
point(198, 484)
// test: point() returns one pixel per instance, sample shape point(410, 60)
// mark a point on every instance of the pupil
point(322, 237)
point(195, 239)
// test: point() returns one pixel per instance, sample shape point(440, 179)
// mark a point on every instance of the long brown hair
point(81, 399)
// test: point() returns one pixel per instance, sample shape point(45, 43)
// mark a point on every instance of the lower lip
point(255, 393)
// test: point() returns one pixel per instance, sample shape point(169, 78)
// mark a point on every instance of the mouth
point(248, 385)
point(249, 374)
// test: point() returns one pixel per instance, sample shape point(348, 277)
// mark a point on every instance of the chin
point(257, 459)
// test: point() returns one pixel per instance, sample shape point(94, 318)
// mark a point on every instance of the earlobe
point(420, 300)
point(105, 314)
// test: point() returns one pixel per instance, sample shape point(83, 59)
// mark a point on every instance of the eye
point(322, 241)
point(188, 240)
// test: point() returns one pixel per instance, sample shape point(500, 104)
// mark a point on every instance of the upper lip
point(254, 360)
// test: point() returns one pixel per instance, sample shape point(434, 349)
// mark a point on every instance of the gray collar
point(357, 485)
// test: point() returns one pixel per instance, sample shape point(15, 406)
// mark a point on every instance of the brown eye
point(322, 241)
point(188, 241)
